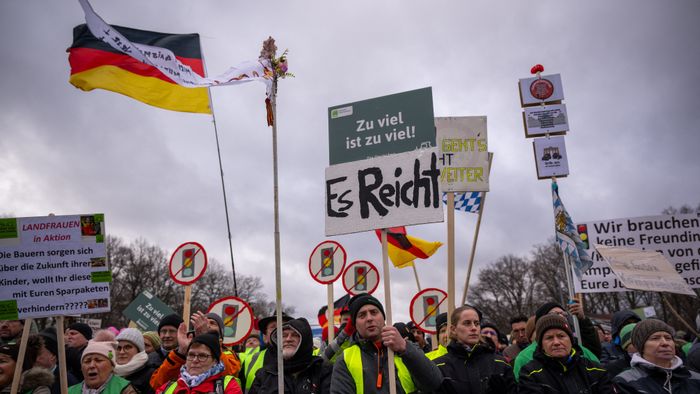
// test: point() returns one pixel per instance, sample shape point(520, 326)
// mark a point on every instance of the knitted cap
point(440, 320)
point(50, 340)
point(82, 328)
point(545, 308)
point(219, 322)
point(105, 349)
point(209, 340)
point(132, 335)
point(153, 337)
point(644, 329)
point(173, 320)
point(357, 302)
point(548, 322)
point(626, 335)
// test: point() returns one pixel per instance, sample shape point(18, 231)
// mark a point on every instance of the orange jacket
point(169, 371)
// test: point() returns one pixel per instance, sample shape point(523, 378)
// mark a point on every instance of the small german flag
point(403, 248)
point(96, 65)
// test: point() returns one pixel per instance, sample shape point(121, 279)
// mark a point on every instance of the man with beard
point(304, 373)
point(10, 331)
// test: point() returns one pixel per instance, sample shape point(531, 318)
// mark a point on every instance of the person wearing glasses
point(132, 360)
point(471, 364)
point(203, 371)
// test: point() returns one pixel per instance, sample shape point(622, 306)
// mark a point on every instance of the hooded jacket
point(304, 373)
point(646, 377)
point(474, 371)
point(613, 351)
point(425, 374)
point(36, 380)
point(575, 375)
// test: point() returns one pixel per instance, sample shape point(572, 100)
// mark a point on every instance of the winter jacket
point(613, 351)
point(589, 337)
point(474, 371)
point(56, 386)
point(170, 369)
point(525, 356)
point(36, 380)
point(422, 373)
point(156, 357)
point(575, 375)
point(440, 351)
point(227, 383)
point(73, 356)
point(251, 366)
point(618, 366)
point(645, 377)
point(115, 385)
point(304, 373)
point(140, 379)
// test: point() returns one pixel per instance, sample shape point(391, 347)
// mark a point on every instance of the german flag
point(403, 248)
point(96, 65)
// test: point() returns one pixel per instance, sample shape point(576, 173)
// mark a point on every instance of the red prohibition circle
point(418, 297)
point(338, 247)
point(370, 268)
point(541, 89)
point(174, 274)
point(244, 306)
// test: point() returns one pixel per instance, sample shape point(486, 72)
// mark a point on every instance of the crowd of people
point(543, 355)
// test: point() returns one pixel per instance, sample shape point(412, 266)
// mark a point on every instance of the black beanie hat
point(644, 329)
point(50, 339)
point(440, 320)
point(361, 300)
point(83, 329)
point(171, 320)
point(545, 308)
point(209, 340)
point(548, 322)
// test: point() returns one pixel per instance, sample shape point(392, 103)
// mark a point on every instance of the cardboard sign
point(536, 90)
point(380, 126)
point(463, 154)
point(550, 157)
point(677, 237)
point(360, 277)
point(547, 119)
point(383, 192)
point(327, 261)
point(188, 263)
point(237, 316)
point(425, 306)
point(53, 265)
point(644, 270)
point(146, 310)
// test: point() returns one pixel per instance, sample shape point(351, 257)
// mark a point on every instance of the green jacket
point(115, 385)
point(525, 356)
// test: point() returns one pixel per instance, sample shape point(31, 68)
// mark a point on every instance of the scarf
point(86, 390)
point(136, 362)
point(195, 380)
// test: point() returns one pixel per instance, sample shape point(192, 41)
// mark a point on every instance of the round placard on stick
point(425, 307)
point(188, 263)
point(360, 277)
point(237, 316)
point(326, 262)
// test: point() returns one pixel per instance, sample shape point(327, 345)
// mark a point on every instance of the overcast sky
point(630, 72)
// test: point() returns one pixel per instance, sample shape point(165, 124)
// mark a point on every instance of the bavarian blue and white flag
point(467, 202)
point(567, 236)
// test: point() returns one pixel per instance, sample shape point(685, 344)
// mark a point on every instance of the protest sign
point(327, 261)
point(463, 157)
point(677, 237)
point(645, 270)
point(546, 119)
point(146, 310)
point(383, 192)
point(188, 263)
point(380, 126)
point(53, 265)
point(550, 157)
point(424, 308)
point(360, 277)
point(237, 316)
point(537, 90)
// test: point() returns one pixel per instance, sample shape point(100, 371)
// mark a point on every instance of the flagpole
point(415, 273)
point(473, 251)
point(223, 184)
point(278, 263)
point(450, 253)
point(387, 308)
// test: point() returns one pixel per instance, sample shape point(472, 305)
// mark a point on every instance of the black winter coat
point(140, 378)
point(576, 375)
point(315, 379)
point(648, 378)
point(474, 371)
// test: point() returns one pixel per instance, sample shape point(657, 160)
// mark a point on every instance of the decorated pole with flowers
point(279, 70)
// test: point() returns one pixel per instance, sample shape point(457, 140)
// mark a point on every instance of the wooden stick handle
point(387, 308)
point(20, 357)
